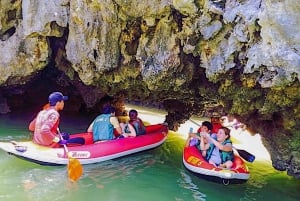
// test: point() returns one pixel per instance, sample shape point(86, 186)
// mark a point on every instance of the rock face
point(183, 55)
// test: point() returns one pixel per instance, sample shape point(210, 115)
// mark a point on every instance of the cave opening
point(34, 94)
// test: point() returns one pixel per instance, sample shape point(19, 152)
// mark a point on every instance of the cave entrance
point(34, 94)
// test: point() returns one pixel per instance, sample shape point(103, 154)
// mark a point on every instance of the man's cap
point(56, 97)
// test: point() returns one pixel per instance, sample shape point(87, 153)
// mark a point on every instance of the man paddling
point(45, 125)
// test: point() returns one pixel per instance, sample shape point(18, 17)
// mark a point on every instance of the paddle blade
point(75, 169)
point(246, 155)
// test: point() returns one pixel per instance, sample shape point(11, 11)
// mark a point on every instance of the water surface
point(154, 175)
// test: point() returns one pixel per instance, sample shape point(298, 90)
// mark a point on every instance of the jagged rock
point(186, 56)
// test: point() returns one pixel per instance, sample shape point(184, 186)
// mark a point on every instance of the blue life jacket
point(102, 128)
point(225, 155)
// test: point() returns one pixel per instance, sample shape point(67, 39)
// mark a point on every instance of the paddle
point(243, 153)
point(75, 169)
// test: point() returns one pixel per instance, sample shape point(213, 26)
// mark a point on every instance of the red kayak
point(193, 161)
point(89, 152)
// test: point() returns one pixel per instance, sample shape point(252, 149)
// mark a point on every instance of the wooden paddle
point(75, 169)
point(243, 153)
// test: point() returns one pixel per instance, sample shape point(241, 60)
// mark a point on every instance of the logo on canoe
point(193, 160)
point(80, 154)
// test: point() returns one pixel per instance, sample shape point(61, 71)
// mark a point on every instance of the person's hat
point(215, 114)
point(56, 97)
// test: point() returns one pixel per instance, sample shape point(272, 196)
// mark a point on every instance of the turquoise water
point(154, 175)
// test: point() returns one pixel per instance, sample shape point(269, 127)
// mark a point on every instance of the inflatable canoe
point(89, 152)
point(194, 162)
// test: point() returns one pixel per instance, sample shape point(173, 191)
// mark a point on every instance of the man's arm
point(115, 122)
point(31, 126)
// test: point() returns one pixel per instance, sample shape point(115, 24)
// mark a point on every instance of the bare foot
point(222, 166)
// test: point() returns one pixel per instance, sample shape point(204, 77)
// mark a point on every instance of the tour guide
point(45, 125)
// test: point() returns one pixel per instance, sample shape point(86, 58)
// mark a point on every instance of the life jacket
point(126, 129)
point(216, 127)
point(102, 128)
point(138, 126)
point(225, 155)
point(45, 127)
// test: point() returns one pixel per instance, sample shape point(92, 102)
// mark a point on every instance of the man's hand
point(62, 142)
point(65, 136)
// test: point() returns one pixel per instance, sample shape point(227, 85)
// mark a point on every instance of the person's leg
point(76, 140)
point(211, 162)
point(227, 164)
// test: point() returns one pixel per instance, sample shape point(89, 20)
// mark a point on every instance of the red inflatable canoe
point(194, 162)
point(89, 152)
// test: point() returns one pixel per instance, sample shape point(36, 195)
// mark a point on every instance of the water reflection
point(187, 183)
point(43, 184)
point(113, 170)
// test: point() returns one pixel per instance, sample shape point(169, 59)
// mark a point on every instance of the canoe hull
point(90, 152)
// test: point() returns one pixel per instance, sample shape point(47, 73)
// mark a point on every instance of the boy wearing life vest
point(136, 122)
point(220, 153)
point(195, 138)
point(134, 127)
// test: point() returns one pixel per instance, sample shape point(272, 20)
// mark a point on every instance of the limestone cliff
point(185, 55)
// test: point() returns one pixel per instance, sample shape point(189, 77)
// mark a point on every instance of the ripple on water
point(187, 183)
point(156, 174)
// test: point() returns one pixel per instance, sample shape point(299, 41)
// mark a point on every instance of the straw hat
point(215, 114)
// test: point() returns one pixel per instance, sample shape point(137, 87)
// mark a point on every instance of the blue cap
point(56, 97)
